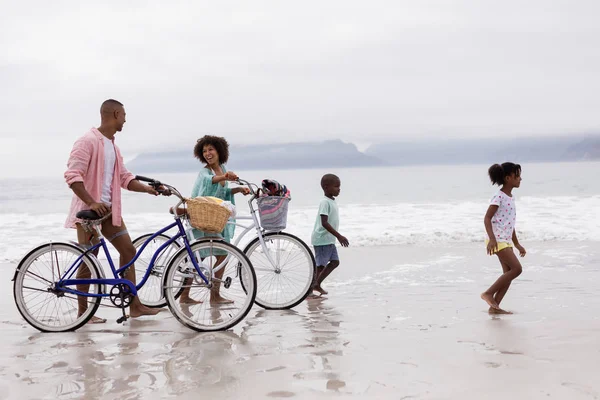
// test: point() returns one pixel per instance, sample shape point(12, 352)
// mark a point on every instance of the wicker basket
point(273, 212)
point(207, 215)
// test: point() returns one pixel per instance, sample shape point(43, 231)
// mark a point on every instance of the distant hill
point(465, 151)
point(332, 153)
point(336, 153)
point(587, 149)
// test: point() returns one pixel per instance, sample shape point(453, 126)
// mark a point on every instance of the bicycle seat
point(88, 215)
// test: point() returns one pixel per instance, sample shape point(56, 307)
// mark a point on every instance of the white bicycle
point(283, 263)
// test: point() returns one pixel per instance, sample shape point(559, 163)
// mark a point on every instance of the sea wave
point(538, 219)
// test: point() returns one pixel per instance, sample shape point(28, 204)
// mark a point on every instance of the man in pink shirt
point(96, 173)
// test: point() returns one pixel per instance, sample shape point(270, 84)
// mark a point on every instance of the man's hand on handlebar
point(160, 190)
point(165, 191)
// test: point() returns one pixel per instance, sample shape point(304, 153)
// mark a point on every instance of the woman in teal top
point(204, 186)
point(213, 152)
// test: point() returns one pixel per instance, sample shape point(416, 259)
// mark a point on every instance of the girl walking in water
point(499, 222)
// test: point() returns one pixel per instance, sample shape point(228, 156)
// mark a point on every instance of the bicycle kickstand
point(123, 306)
point(123, 318)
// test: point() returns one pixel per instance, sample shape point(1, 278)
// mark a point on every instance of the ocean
point(403, 317)
point(416, 205)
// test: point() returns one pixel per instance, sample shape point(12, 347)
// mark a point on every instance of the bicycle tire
point(181, 269)
point(270, 288)
point(33, 293)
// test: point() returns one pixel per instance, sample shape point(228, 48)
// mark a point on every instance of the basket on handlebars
point(273, 212)
point(207, 215)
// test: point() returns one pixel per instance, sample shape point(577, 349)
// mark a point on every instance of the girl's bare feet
point(498, 311)
point(488, 298)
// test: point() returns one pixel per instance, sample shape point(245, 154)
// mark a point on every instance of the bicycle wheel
point(286, 283)
point(151, 294)
point(209, 314)
point(45, 307)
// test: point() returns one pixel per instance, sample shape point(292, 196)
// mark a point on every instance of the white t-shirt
point(109, 169)
point(503, 222)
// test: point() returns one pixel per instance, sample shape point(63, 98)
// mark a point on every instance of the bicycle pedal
point(227, 282)
point(122, 319)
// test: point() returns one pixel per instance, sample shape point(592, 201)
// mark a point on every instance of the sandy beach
point(400, 322)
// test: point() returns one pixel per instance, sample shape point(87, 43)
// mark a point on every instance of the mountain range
point(336, 153)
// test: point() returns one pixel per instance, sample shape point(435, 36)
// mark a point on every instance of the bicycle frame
point(259, 233)
point(247, 228)
point(67, 280)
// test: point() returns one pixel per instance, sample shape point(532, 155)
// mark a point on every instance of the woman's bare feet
point(189, 300)
point(141, 310)
point(498, 311)
point(488, 298)
point(319, 289)
point(214, 300)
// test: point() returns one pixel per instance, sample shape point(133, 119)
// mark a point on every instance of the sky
point(282, 71)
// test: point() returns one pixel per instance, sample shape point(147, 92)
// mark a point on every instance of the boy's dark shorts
point(324, 254)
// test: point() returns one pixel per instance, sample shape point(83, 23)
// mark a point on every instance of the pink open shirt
point(86, 164)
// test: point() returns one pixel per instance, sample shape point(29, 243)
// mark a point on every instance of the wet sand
point(403, 322)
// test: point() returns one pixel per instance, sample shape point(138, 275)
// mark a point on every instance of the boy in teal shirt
point(326, 232)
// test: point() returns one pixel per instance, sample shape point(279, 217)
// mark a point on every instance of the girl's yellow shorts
point(501, 245)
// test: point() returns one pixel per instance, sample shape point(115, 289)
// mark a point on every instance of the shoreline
point(399, 321)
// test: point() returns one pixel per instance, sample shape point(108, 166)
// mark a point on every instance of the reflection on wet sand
point(202, 360)
point(127, 365)
point(388, 332)
point(323, 322)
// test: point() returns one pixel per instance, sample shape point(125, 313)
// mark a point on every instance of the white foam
point(538, 219)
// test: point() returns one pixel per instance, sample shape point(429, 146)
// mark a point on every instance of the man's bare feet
point(142, 310)
point(312, 295)
point(96, 320)
point(498, 311)
point(319, 289)
point(220, 300)
point(189, 300)
point(488, 298)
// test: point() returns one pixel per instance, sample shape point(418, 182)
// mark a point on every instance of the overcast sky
point(261, 71)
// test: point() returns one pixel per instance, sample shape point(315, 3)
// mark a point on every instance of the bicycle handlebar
point(157, 184)
point(144, 179)
point(250, 186)
point(254, 189)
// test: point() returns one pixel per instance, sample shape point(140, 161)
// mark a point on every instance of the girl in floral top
point(499, 224)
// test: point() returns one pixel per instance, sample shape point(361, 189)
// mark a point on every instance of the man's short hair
point(110, 105)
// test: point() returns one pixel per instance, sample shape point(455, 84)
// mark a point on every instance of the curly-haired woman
point(213, 152)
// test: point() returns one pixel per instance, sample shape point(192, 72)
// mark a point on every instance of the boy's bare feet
point(319, 289)
point(488, 298)
point(142, 310)
point(498, 311)
point(312, 295)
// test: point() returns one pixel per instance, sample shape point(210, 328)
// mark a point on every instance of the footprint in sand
point(582, 389)
point(281, 394)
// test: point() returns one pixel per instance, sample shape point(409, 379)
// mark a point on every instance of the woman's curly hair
point(219, 143)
